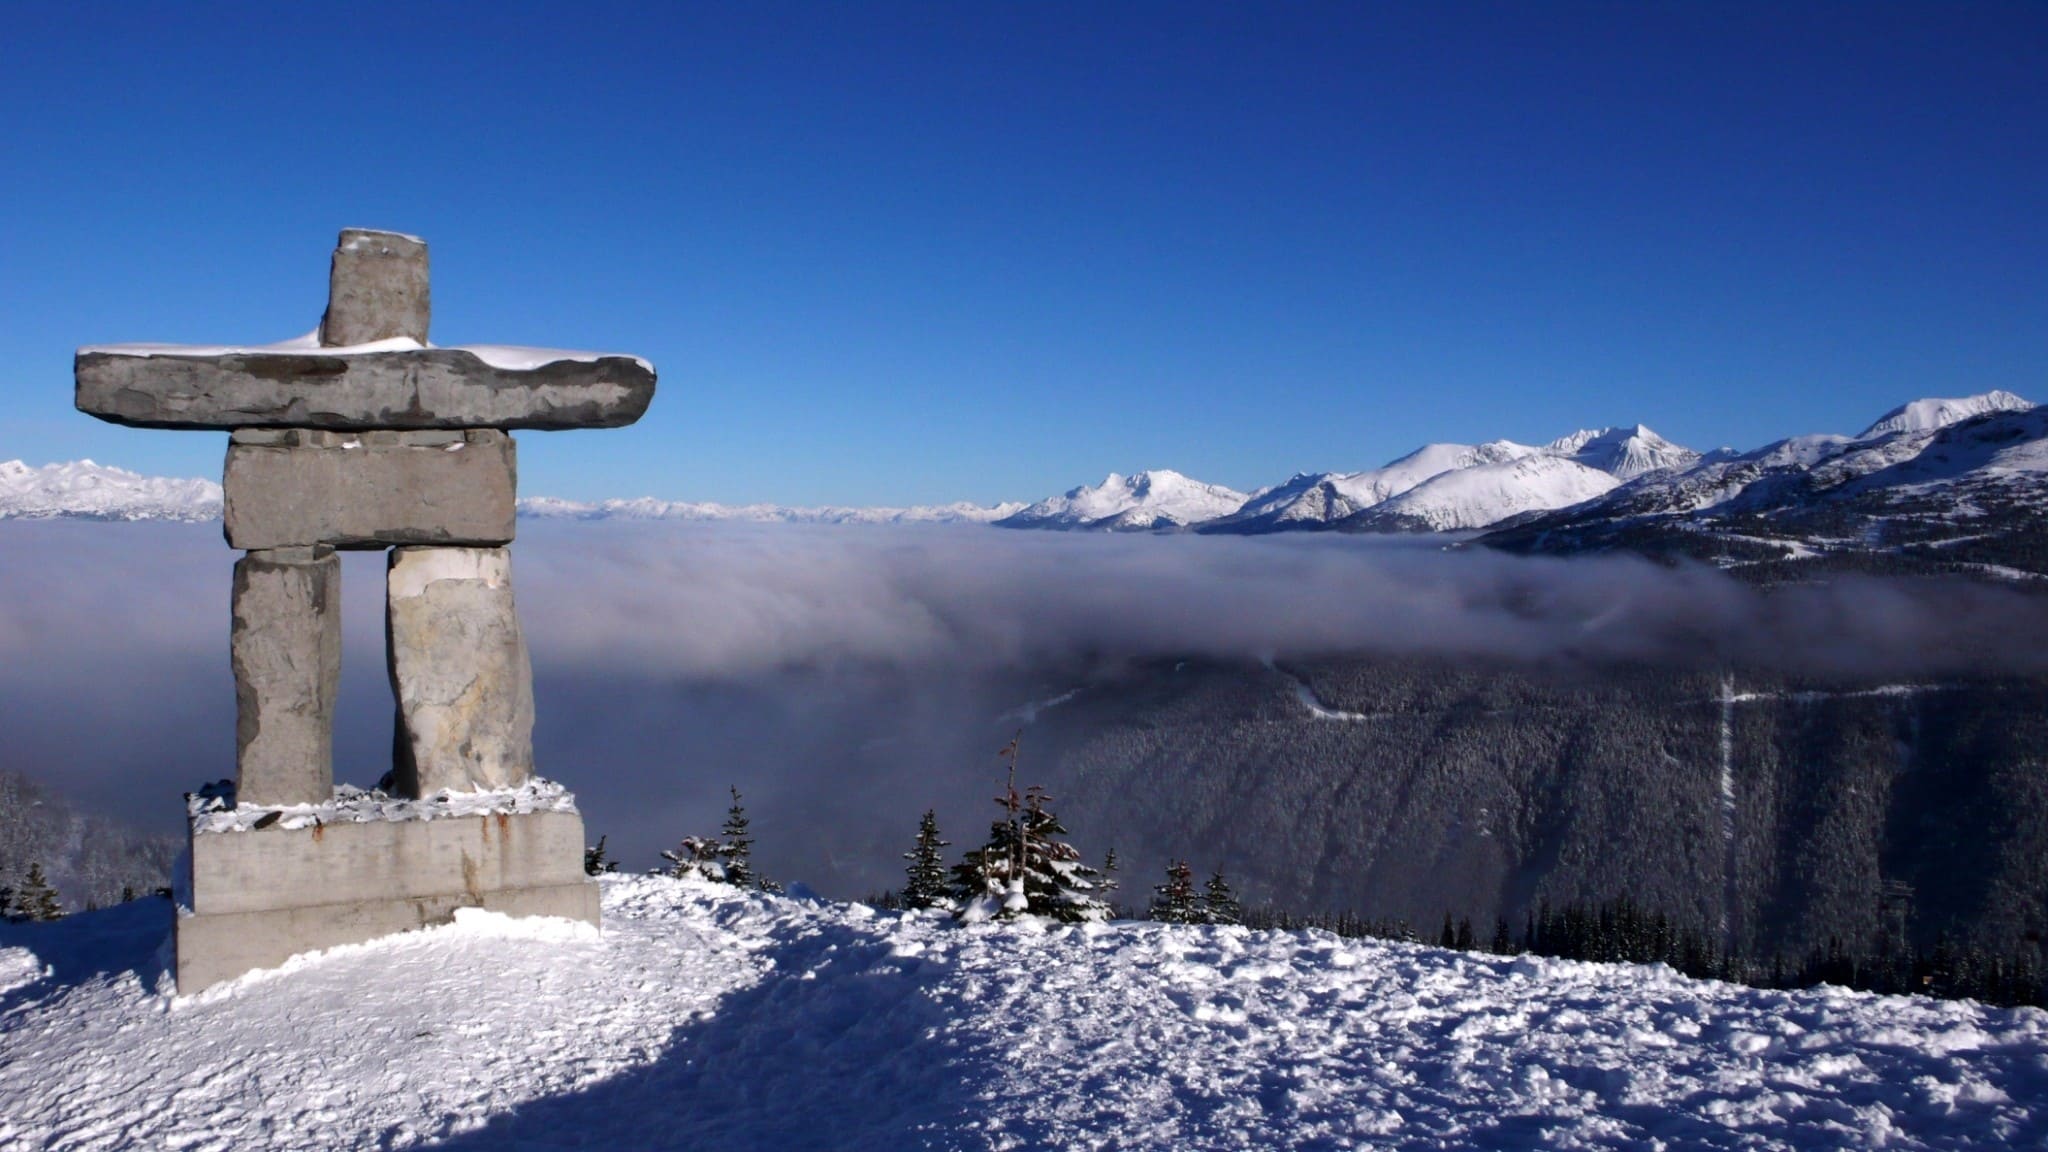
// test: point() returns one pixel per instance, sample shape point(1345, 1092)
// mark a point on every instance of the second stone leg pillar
point(460, 671)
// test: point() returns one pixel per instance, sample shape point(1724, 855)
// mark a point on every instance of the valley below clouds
point(847, 678)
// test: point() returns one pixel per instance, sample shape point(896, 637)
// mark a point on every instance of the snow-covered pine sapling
point(1056, 882)
point(37, 900)
point(984, 883)
point(596, 862)
point(737, 848)
point(925, 880)
point(1026, 867)
point(696, 858)
point(1219, 903)
point(1108, 883)
point(1176, 901)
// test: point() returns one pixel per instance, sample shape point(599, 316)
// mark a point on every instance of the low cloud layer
point(800, 663)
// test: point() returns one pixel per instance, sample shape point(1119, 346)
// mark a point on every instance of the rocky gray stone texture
point(376, 288)
point(262, 896)
point(460, 670)
point(369, 489)
point(358, 391)
point(285, 645)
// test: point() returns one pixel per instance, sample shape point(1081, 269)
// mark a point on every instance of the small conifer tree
point(37, 900)
point(737, 850)
point(925, 880)
point(1176, 901)
point(1219, 903)
point(596, 862)
point(696, 858)
point(1056, 881)
point(1026, 867)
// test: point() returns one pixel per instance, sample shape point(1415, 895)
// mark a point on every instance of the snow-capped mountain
point(1419, 492)
point(84, 490)
point(1935, 413)
point(1623, 453)
point(1485, 494)
point(1143, 500)
point(647, 508)
point(1952, 482)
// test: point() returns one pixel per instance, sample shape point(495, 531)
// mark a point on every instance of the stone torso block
point(460, 670)
point(369, 489)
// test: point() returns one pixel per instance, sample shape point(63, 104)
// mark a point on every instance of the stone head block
point(376, 288)
point(370, 489)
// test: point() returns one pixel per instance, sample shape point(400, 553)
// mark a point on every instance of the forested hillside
point(1775, 815)
point(90, 860)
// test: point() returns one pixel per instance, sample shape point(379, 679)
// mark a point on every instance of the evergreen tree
point(1107, 884)
point(1176, 902)
point(1056, 881)
point(925, 879)
point(988, 883)
point(595, 862)
point(1219, 903)
point(696, 858)
point(1448, 938)
point(1026, 866)
point(736, 850)
point(1501, 944)
point(37, 900)
point(7, 908)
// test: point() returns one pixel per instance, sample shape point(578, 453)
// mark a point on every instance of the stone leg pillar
point(460, 671)
point(285, 644)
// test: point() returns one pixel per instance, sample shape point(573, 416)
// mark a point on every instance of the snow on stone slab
point(702, 1017)
point(505, 357)
point(213, 809)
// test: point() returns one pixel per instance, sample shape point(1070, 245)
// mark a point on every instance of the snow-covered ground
point(704, 1018)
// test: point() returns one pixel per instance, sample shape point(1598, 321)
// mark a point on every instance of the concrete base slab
point(263, 895)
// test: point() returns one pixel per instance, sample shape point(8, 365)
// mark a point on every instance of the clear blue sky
point(886, 254)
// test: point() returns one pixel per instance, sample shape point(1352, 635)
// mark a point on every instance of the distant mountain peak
point(85, 490)
point(1153, 498)
point(1936, 412)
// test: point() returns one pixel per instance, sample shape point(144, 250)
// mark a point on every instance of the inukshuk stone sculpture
point(362, 436)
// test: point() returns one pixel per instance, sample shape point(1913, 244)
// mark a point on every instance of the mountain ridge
point(1595, 488)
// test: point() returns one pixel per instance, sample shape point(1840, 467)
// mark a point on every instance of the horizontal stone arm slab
point(369, 489)
point(359, 391)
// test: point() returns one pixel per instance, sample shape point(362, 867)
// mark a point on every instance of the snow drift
point(706, 1018)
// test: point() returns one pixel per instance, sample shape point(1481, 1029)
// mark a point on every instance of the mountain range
point(1937, 478)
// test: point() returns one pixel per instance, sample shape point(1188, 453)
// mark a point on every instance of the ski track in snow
point(1730, 892)
point(706, 1018)
point(1314, 703)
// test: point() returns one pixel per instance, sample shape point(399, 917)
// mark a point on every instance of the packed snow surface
point(707, 1018)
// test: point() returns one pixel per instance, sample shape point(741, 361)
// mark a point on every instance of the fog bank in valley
point(847, 678)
